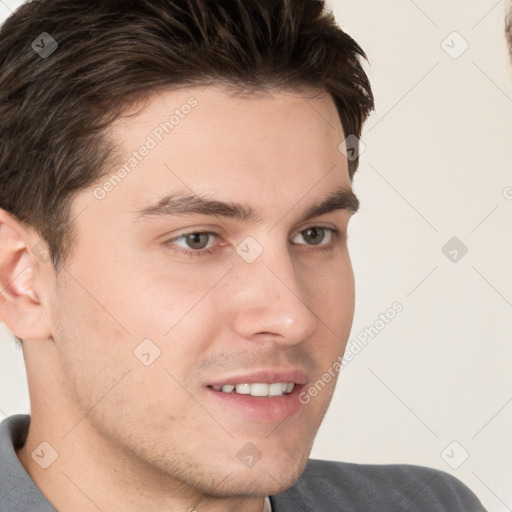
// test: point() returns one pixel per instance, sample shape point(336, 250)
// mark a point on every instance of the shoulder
point(373, 487)
point(18, 492)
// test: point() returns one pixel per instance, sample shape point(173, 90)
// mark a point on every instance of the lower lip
point(262, 408)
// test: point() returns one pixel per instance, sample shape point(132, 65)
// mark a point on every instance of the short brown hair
point(54, 108)
point(508, 30)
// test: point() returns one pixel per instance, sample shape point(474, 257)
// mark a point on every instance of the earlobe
point(21, 309)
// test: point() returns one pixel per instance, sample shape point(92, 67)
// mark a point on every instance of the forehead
point(196, 115)
point(276, 146)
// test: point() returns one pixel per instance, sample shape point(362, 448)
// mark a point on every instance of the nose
point(269, 300)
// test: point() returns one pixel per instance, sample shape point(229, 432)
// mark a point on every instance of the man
point(175, 196)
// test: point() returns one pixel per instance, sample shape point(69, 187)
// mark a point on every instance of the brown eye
point(317, 235)
point(314, 235)
point(197, 240)
point(193, 243)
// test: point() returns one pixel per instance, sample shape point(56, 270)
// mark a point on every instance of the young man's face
point(143, 331)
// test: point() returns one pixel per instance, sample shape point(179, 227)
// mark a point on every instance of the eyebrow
point(186, 203)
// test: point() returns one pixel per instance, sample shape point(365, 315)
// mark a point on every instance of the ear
point(22, 256)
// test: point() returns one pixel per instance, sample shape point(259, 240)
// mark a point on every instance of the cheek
point(107, 380)
point(92, 339)
point(331, 289)
point(100, 318)
point(162, 295)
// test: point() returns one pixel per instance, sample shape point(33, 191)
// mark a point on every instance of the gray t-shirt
point(324, 485)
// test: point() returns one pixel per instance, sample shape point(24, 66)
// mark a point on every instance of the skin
point(132, 437)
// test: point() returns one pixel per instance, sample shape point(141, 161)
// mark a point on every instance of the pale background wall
point(437, 165)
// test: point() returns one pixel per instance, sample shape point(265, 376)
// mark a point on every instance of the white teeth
point(276, 389)
point(258, 388)
point(243, 389)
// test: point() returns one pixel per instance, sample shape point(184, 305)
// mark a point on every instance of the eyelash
point(202, 252)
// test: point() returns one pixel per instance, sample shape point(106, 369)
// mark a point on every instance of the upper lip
point(266, 376)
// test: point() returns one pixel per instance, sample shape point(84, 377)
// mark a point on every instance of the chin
point(272, 474)
point(258, 481)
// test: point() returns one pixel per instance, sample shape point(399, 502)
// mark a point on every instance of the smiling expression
point(209, 282)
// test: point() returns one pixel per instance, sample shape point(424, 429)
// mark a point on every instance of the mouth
point(265, 396)
point(257, 388)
